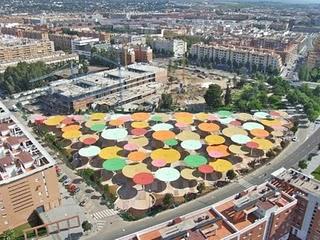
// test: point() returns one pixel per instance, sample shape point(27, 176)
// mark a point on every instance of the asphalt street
point(288, 158)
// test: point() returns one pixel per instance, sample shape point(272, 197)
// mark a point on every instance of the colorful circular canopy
point(240, 139)
point(73, 134)
point(89, 139)
point(195, 160)
point(168, 155)
point(230, 131)
point(261, 115)
point(158, 163)
point(114, 164)
point(139, 131)
point(109, 152)
point(224, 114)
point(137, 156)
point(187, 173)
point(209, 127)
point(260, 133)
point(71, 128)
point(142, 116)
point(143, 178)
point(139, 125)
point(167, 174)
point(188, 135)
point(206, 169)
point(114, 134)
point(252, 125)
point(90, 151)
point(131, 147)
point(221, 165)
point(264, 144)
point(131, 170)
point(214, 140)
point(163, 135)
point(161, 127)
point(191, 144)
point(171, 142)
point(98, 127)
point(53, 120)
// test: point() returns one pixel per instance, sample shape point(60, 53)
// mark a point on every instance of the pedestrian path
point(105, 213)
point(100, 225)
point(245, 183)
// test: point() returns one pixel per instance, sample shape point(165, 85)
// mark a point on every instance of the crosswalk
point(245, 183)
point(104, 213)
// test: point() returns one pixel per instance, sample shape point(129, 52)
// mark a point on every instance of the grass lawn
point(316, 173)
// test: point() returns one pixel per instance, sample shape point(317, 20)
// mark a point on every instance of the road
point(308, 141)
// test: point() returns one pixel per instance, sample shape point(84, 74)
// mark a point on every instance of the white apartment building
point(241, 55)
point(79, 45)
point(176, 46)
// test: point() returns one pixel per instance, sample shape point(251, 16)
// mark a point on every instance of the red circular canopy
point(252, 145)
point(89, 140)
point(205, 169)
point(139, 131)
point(235, 123)
point(143, 178)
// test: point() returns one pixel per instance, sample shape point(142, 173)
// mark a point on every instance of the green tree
point(9, 235)
point(231, 174)
point(227, 96)
point(168, 200)
point(86, 226)
point(213, 96)
point(166, 101)
point(303, 164)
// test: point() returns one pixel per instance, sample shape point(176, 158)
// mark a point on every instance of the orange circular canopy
point(71, 128)
point(116, 122)
point(183, 115)
point(209, 127)
point(141, 116)
point(163, 135)
point(137, 156)
point(260, 133)
point(222, 149)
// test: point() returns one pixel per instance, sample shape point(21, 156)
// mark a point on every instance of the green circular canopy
point(224, 113)
point(98, 127)
point(114, 164)
point(171, 142)
point(156, 118)
point(195, 160)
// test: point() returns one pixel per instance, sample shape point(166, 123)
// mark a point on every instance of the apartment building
point(143, 54)
point(136, 82)
point(28, 180)
point(306, 215)
point(285, 207)
point(62, 41)
point(19, 49)
point(176, 47)
point(80, 45)
point(25, 33)
point(244, 56)
point(259, 213)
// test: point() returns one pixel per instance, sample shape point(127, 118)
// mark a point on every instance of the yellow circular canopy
point(270, 123)
point(168, 155)
point(188, 135)
point(187, 174)
point(214, 140)
point(244, 116)
point(54, 120)
point(221, 165)
point(140, 141)
point(236, 149)
point(70, 128)
point(109, 152)
point(73, 134)
point(139, 125)
point(202, 116)
point(230, 131)
point(97, 116)
point(264, 144)
point(132, 169)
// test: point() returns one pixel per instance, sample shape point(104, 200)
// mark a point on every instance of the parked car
point(66, 182)
point(294, 139)
point(63, 178)
point(83, 203)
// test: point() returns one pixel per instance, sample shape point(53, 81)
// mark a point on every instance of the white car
point(66, 182)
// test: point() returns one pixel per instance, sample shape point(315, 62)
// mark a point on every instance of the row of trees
point(266, 92)
point(309, 75)
point(18, 78)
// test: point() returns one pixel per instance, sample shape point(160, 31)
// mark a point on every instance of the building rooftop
point(297, 180)
point(10, 41)
point(20, 153)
